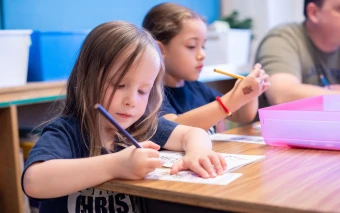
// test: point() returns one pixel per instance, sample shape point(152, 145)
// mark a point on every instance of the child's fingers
point(155, 163)
point(152, 153)
point(265, 86)
point(262, 72)
point(217, 164)
point(150, 144)
point(198, 169)
point(206, 164)
point(265, 78)
point(256, 73)
point(223, 162)
point(195, 167)
point(238, 81)
point(257, 66)
point(177, 166)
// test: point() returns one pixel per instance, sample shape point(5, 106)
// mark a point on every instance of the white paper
point(191, 177)
point(237, 138)
point(234, 161)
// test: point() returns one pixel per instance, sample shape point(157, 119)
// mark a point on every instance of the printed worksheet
point(191, 177)
point(234, 161)
point(237, 138)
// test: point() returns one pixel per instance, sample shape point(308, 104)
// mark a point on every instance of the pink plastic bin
point(311, 122)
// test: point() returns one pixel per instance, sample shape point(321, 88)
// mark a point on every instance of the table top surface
point(31, 93)
point(286, 180)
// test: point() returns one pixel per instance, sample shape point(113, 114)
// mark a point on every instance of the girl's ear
point(162, 48)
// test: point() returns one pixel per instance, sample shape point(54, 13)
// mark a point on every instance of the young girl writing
point(120, 67)
point(181, 34)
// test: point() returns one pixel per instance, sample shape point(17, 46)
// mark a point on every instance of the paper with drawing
point(191, 177)
point(234, 161)
point(237, 138)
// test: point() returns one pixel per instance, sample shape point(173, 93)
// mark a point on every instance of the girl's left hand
point(206, 163)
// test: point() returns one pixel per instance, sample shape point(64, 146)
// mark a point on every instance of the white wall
point(266, 14)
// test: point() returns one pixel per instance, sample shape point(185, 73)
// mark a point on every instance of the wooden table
point(11, 195)
point(287, 180)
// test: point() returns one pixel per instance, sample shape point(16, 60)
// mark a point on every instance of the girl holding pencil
point(120, 67)
point(181, 34)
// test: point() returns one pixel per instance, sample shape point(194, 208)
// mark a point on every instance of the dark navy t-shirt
point(192, 95)
point(62, 139)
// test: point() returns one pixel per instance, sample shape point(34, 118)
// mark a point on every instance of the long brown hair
point(102, 48)
point(164, 21)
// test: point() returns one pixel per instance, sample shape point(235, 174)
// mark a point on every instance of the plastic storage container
point(14, 50)
point(52, 54)
point(311, 122)
point(231, 47)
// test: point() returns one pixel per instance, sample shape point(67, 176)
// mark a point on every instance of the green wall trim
point(32, 101)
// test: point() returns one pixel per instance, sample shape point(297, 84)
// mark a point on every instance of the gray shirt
point(288, 49)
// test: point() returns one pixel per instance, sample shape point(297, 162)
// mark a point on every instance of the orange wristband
point(218, 99)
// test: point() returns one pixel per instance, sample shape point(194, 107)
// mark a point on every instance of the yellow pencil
point(229, 74)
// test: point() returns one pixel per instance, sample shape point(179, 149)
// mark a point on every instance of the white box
point(231, 47)
point(14, 51)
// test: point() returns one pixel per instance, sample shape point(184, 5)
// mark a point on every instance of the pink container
point(311, 123)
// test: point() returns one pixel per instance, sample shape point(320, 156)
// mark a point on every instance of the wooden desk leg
point(11, 195)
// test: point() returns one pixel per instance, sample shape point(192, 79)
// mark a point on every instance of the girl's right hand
point(250, 87)
point(135, 163)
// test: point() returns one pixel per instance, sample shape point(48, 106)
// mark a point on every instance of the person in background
point(121, 67)
point(303, 59)
point(181, 34)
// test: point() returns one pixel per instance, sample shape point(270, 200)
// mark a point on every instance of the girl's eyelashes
point(193, 47)
point(142, 92)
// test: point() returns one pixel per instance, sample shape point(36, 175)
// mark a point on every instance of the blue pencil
point(324, 81)
point(101, 109)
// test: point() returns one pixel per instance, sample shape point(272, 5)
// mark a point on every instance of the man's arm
point(280, 57)
point(290, 88)
point(287, 87)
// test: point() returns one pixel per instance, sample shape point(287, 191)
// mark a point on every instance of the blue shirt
point(192, 95)
point(62, 139)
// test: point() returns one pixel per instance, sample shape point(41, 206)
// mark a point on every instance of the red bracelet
point(218, 99)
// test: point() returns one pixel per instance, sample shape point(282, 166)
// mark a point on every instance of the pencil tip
point(96, 106)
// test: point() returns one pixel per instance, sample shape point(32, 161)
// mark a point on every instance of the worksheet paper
point(234, 161)
point(191, 177)
point(237, 138)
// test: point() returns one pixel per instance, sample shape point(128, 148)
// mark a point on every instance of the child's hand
point(136, 163)
point(254, 84)
point(251, 86)
point(206, 163)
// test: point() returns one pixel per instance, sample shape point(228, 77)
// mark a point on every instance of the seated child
point(181, 34)
point(119, 66)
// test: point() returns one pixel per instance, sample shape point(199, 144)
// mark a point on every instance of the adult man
point(296, 55)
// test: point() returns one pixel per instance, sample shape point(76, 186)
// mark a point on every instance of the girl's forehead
point(193, 24)
point(149, 58)
point(193, 28)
